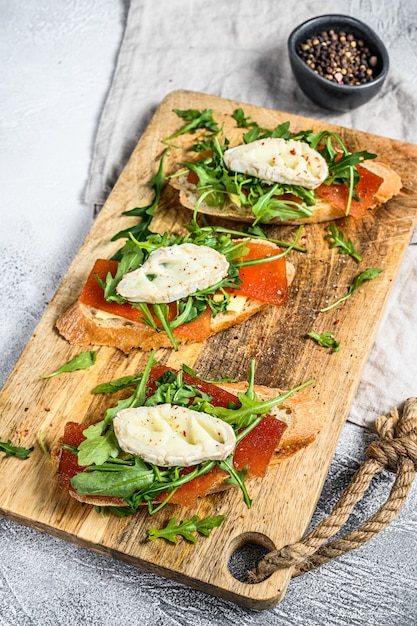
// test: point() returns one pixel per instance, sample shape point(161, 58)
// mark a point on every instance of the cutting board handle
point(395, 450)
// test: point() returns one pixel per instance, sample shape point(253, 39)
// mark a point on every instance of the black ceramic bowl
point(328, 93)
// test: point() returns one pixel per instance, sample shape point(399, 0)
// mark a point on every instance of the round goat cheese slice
point(275, 160)
point(174, 272)
point(168, 435)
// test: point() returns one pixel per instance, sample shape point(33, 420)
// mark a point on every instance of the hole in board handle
point(245, 552)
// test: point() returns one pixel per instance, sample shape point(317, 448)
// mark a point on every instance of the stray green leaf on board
point(369, 274)
point(187, 528)
point(10, 450)
point(326, 340)
point(82, 361)
point(345, 245)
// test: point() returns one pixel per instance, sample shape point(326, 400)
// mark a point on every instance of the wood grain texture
point(285, 500)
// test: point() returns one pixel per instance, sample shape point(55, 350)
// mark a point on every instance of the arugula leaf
point(326, 340)
point(345, 245)
point(130, 258)
point(241, 120)
point(10, 450)
point(253, 232)
point(368, 274)
point(146, 213)
point(166, 481)
point(195, 119)
point(236, 478)
point(342, 167)
point(118, 384)
point(250, 408)
point(187, 528)
point(119, 511)
point(114, 480)
point(267, 207)
point(280, 131)
point(172, 389)
point(290, 246)
point(138, 396)
point(223, 379)
point(99, 445)
point(258, 132)
point(81, 361)
point(43, 446)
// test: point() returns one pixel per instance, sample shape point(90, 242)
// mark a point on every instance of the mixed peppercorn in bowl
point(339, 62)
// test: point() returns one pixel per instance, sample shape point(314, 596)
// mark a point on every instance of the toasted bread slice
point(323, 211)
point(304, 416)
point(82, 325)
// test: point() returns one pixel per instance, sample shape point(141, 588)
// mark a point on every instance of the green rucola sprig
point(10, 450)
point(188, 528)
point(81, 361)
point(369, 274)
point(195, 120)
point(326, 340)
point(337, 239)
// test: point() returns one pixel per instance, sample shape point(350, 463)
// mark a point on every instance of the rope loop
point(396, 450)
point(389, 452)
point(398, 437)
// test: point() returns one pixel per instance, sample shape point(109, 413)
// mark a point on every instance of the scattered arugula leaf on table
point(188, 528)
point(81, 361)
point(327, 340)
point(345, 245)
point(369, 274)
point(10, 450)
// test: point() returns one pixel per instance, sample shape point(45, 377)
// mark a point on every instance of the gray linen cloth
point(237, 50)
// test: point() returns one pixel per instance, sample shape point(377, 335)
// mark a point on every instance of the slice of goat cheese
point(174, 272)
point(277, 160)
point(169, 435)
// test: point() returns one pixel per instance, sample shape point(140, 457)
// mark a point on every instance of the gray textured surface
point(58, 59)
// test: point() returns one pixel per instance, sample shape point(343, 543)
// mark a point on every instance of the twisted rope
point(395, 450)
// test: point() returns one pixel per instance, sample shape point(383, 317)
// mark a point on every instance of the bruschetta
point(177, 438)
point(284, 178)
point(170, 290)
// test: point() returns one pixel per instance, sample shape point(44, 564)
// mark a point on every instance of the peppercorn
point(339, 57)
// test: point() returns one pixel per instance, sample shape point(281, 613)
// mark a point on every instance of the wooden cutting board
point(285, 499)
